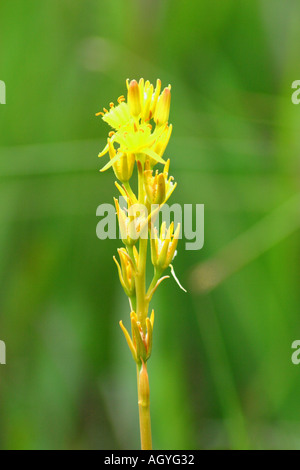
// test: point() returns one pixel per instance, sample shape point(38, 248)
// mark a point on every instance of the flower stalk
point(140, 135)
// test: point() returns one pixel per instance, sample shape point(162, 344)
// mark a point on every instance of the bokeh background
point(221, 373)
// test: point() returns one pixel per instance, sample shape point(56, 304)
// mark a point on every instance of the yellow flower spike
point(162, 111)
point(129, 341)
point(134, 99)
point(141, 132)
point(138, 341)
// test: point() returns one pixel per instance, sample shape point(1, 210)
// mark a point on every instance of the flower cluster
point(139, 137)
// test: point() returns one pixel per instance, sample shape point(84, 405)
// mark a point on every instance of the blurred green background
point(221, 374)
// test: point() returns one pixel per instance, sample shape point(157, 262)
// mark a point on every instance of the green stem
point(140, 283)
point(144, 416)
point(142, 305)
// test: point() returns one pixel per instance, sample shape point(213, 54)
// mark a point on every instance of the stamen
point(99, 114)
point(121, 99)
point(105, 110)
point(111, 133)
point(111, 105)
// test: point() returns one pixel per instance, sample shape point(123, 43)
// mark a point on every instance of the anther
point(121, 99)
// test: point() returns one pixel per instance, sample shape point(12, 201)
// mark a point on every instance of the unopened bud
point(155, 187)
point(134, 99)
point(163, 107)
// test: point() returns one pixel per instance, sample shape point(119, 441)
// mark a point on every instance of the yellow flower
point(163, 247)
point(126, 272)
point(158, 187)
point(148, 97)
point(140, 344)
point(133, 131)
point(132, 226)
point(118, 116)
point(155, 187)
point(124, 164)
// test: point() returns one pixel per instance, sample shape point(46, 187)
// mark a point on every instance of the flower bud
point(124, 224)
point(126, 272)
point(123, 166)
point(163, 247)
point(134, 99)
point(155, 187)
point(162, 111)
